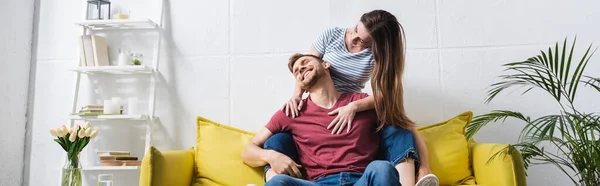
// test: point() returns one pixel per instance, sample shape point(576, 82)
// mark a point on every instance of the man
point(347, 158)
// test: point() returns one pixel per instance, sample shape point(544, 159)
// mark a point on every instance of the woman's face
point(360, 36)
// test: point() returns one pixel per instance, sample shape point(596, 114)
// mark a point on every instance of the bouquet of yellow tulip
point(73, 140)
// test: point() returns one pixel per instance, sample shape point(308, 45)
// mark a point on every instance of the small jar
point(137, 58)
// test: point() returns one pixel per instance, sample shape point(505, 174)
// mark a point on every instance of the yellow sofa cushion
point(495, 166)
point(219, 155)
point(448, 149)
point(167, 168)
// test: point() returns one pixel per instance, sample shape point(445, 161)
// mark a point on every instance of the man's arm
point(254, 155)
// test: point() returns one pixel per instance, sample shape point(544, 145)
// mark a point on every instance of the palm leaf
point(593, 82)
point(549, 71)
point(579, 71)
point(541, 128)
point(479, 121)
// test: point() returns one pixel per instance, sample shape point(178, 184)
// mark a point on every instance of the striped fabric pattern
point(349, 71)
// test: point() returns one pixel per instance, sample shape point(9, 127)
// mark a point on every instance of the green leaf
point(480, 121)
point(61, 143)
point(577, 74)
point(562, 63)
point(593, 82)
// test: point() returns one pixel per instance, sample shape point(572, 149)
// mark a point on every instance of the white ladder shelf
point(88, 27)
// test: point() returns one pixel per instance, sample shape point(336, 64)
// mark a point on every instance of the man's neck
point(323, 93)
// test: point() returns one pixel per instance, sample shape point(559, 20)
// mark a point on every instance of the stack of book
point(93, 51)
point(118, 158)
point(93, 110)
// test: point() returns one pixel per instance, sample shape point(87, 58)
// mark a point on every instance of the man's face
point(308, 70)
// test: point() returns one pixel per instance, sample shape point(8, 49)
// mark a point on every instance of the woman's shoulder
point(334, 31)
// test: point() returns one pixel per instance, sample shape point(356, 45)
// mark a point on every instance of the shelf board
point(108, 168)
point(130, 69)
point(118, 24)
point(110, 117)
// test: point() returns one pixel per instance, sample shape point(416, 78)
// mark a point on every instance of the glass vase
point(71, 171)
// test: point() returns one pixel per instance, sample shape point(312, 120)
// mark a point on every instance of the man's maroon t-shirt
point(322, 153)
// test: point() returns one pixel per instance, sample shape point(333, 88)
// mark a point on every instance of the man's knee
point(280, 179)
point(279, 141)
point(380, 166)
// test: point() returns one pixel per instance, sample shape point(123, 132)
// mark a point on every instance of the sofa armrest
point(493, 168)
point(169, 168)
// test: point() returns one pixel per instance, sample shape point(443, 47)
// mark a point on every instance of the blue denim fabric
point(283, 143)
point(377, 173)
point(397, 144)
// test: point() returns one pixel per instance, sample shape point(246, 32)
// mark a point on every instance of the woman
point(374, 47)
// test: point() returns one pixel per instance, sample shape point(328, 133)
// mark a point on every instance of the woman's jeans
point(396, 144)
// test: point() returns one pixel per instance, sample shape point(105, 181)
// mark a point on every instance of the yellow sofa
point(216, 159)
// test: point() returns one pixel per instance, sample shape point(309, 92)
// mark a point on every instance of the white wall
point(15, 52)
point(225, 60)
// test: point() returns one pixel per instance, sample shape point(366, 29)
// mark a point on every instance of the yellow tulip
point(60, 132)
point(86, 125)
point(88, 132)
point(73, 136)
point(94, 134)
point(81, 133)
point(53, 132)
point(65, 129)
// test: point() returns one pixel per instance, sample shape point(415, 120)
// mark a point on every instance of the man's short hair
point(297, 56)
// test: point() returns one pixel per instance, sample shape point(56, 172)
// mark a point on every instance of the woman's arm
point(423, 153)
point(367, 103)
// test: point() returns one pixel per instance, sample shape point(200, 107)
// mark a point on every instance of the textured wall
point(225, 60)
point(15, 52)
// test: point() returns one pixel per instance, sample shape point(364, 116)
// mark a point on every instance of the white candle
point(117, 105)
point(132, 106)
point(109, 107)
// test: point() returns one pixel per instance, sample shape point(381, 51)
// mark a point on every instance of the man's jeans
point(378, 172)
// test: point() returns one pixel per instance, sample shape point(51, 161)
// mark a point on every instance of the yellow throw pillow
point(219, 155)
point(448, 149)
point(167, 168)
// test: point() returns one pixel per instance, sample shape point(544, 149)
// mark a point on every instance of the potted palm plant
point(573, 135)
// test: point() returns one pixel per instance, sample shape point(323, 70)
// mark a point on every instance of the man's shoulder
point(279, 115)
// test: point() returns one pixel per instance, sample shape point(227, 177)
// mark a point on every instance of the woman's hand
point(344, 118)
point(293, 106)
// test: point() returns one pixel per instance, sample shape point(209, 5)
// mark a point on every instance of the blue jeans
point(377, 173)
point(396, 144)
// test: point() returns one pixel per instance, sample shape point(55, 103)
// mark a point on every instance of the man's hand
point(282, 164)
point(344, 118)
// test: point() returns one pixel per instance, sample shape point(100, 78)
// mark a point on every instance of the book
point(87, 50)
point(100, 50)
point(113, 153)
point(121, 163)
point(118, 157)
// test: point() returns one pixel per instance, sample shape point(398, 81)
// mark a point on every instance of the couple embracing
point(338, 135)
